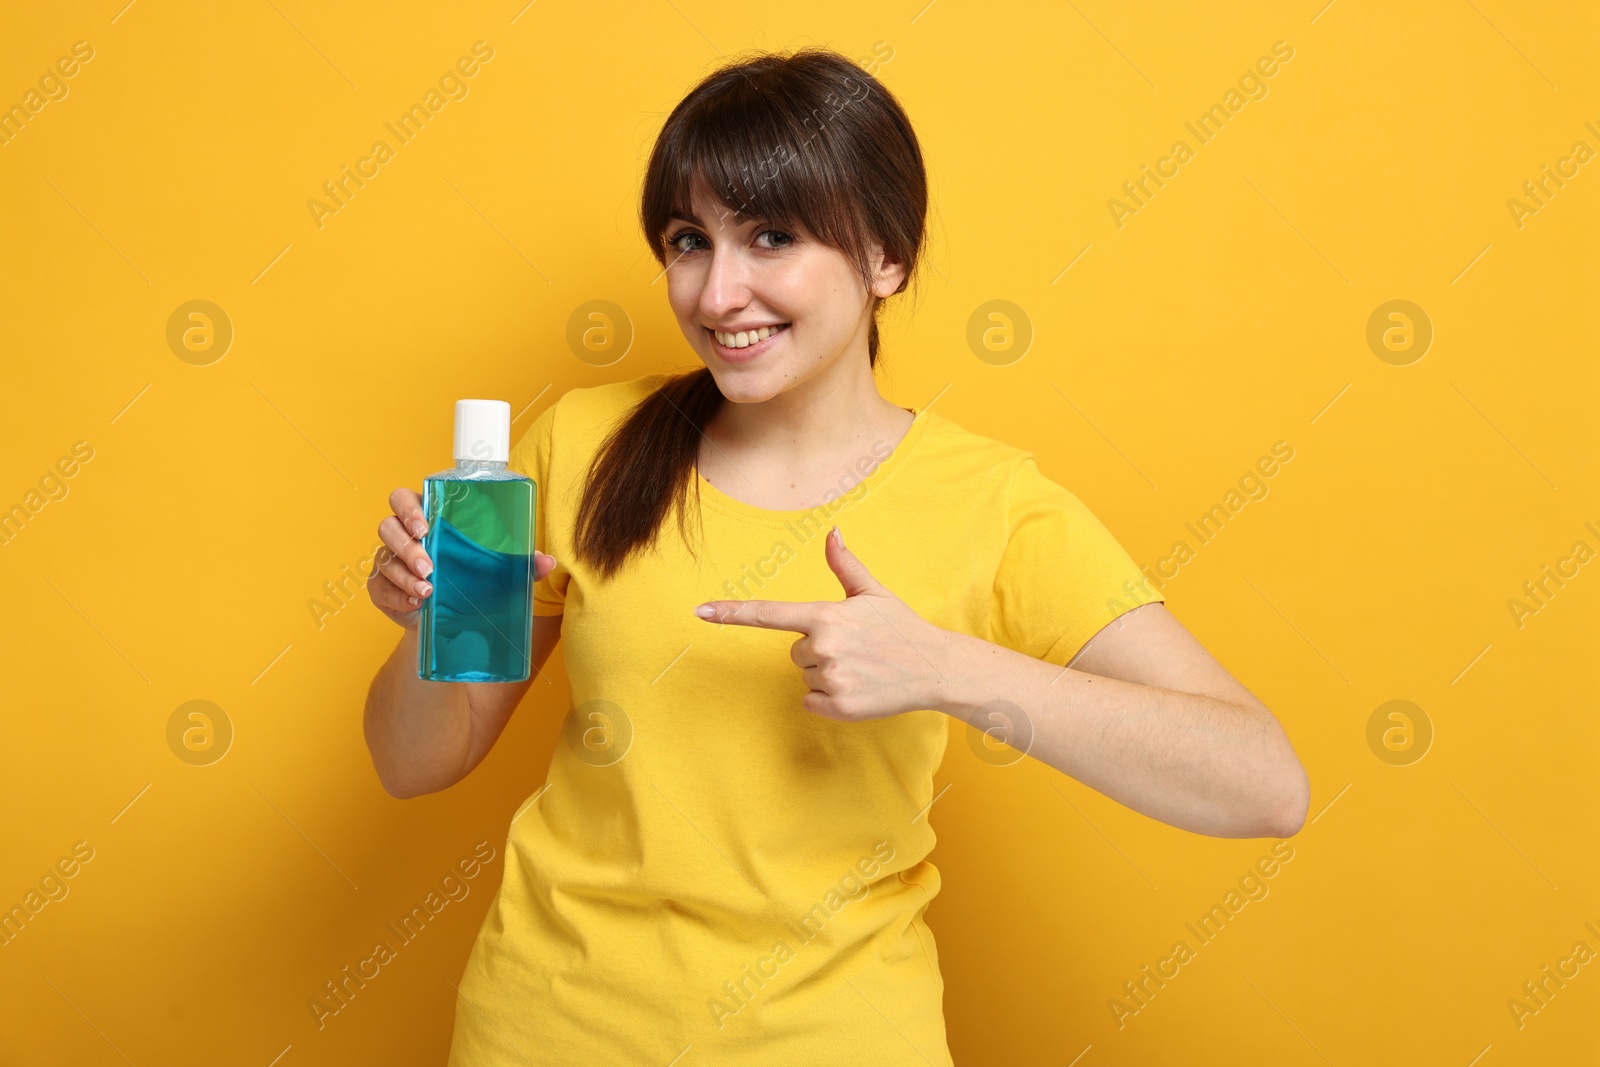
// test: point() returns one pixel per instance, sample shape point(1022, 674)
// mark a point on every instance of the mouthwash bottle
point(476, 625)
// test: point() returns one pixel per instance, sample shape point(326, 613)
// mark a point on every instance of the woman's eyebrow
point(688, 216)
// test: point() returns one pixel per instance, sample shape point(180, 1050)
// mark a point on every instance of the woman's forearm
point(419, 732)
point(1193, 761)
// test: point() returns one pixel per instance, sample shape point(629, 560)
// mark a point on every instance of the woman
point(727, 863)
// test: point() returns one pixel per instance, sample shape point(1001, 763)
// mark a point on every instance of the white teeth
point(746, 338)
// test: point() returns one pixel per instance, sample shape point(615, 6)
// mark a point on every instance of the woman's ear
point(889, 276)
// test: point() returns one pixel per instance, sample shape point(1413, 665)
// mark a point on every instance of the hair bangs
point(750, 150)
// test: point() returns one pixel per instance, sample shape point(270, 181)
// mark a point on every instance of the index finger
point(800, 617)
point(407, 507)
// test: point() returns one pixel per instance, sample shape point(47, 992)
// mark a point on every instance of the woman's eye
point(675, 242)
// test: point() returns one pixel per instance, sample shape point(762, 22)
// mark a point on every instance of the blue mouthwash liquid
point(476, 625)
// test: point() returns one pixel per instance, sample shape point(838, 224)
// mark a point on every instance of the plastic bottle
point(476, 625)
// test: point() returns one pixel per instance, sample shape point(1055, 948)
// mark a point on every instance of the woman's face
point(725, 279)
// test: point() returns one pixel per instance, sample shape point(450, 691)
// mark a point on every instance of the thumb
point(851, 572)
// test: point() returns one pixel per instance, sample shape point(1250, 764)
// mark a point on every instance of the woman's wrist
point(962, 664)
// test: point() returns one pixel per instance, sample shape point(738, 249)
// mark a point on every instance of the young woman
point(728, 860)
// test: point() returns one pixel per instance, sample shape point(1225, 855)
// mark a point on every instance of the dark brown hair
point(807, 138)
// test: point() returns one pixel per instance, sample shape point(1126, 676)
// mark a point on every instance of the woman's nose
point(725, 287)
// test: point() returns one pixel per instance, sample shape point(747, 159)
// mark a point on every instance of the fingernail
point(418, 527)
point(838, 537)
point(413, 600)
point(424, 568)
point(705, 611)
point(423, 588)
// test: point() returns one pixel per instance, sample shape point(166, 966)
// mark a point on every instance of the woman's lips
point(748, 352)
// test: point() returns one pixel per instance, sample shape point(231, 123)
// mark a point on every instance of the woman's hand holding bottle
point(399, 580)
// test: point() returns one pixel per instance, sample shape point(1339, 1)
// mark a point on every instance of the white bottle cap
point(483, 430)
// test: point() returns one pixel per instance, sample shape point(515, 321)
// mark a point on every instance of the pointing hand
point(867, 656)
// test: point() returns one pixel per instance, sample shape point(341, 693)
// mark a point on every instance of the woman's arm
point(1146, 716)
point(427, 736)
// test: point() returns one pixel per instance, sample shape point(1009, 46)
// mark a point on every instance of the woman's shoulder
point(597, 403)
point(961, 451)
point(571, 427)
point(582, 416)
point(1009, 476)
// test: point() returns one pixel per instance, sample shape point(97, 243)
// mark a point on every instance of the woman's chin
point(753, 386)
point(746, 386)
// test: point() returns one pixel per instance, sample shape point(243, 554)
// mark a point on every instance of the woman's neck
point(782, 452)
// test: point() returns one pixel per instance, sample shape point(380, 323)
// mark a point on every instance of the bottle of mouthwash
point(476, 625)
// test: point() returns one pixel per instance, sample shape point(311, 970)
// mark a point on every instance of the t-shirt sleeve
point(1063, 576)
point(532, 458)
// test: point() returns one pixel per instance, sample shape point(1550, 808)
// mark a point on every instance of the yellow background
point(1229, 313)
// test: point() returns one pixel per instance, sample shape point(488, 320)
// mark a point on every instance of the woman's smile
point(742, 346)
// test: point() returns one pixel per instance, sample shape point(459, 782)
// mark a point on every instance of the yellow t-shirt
point(709, 867)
